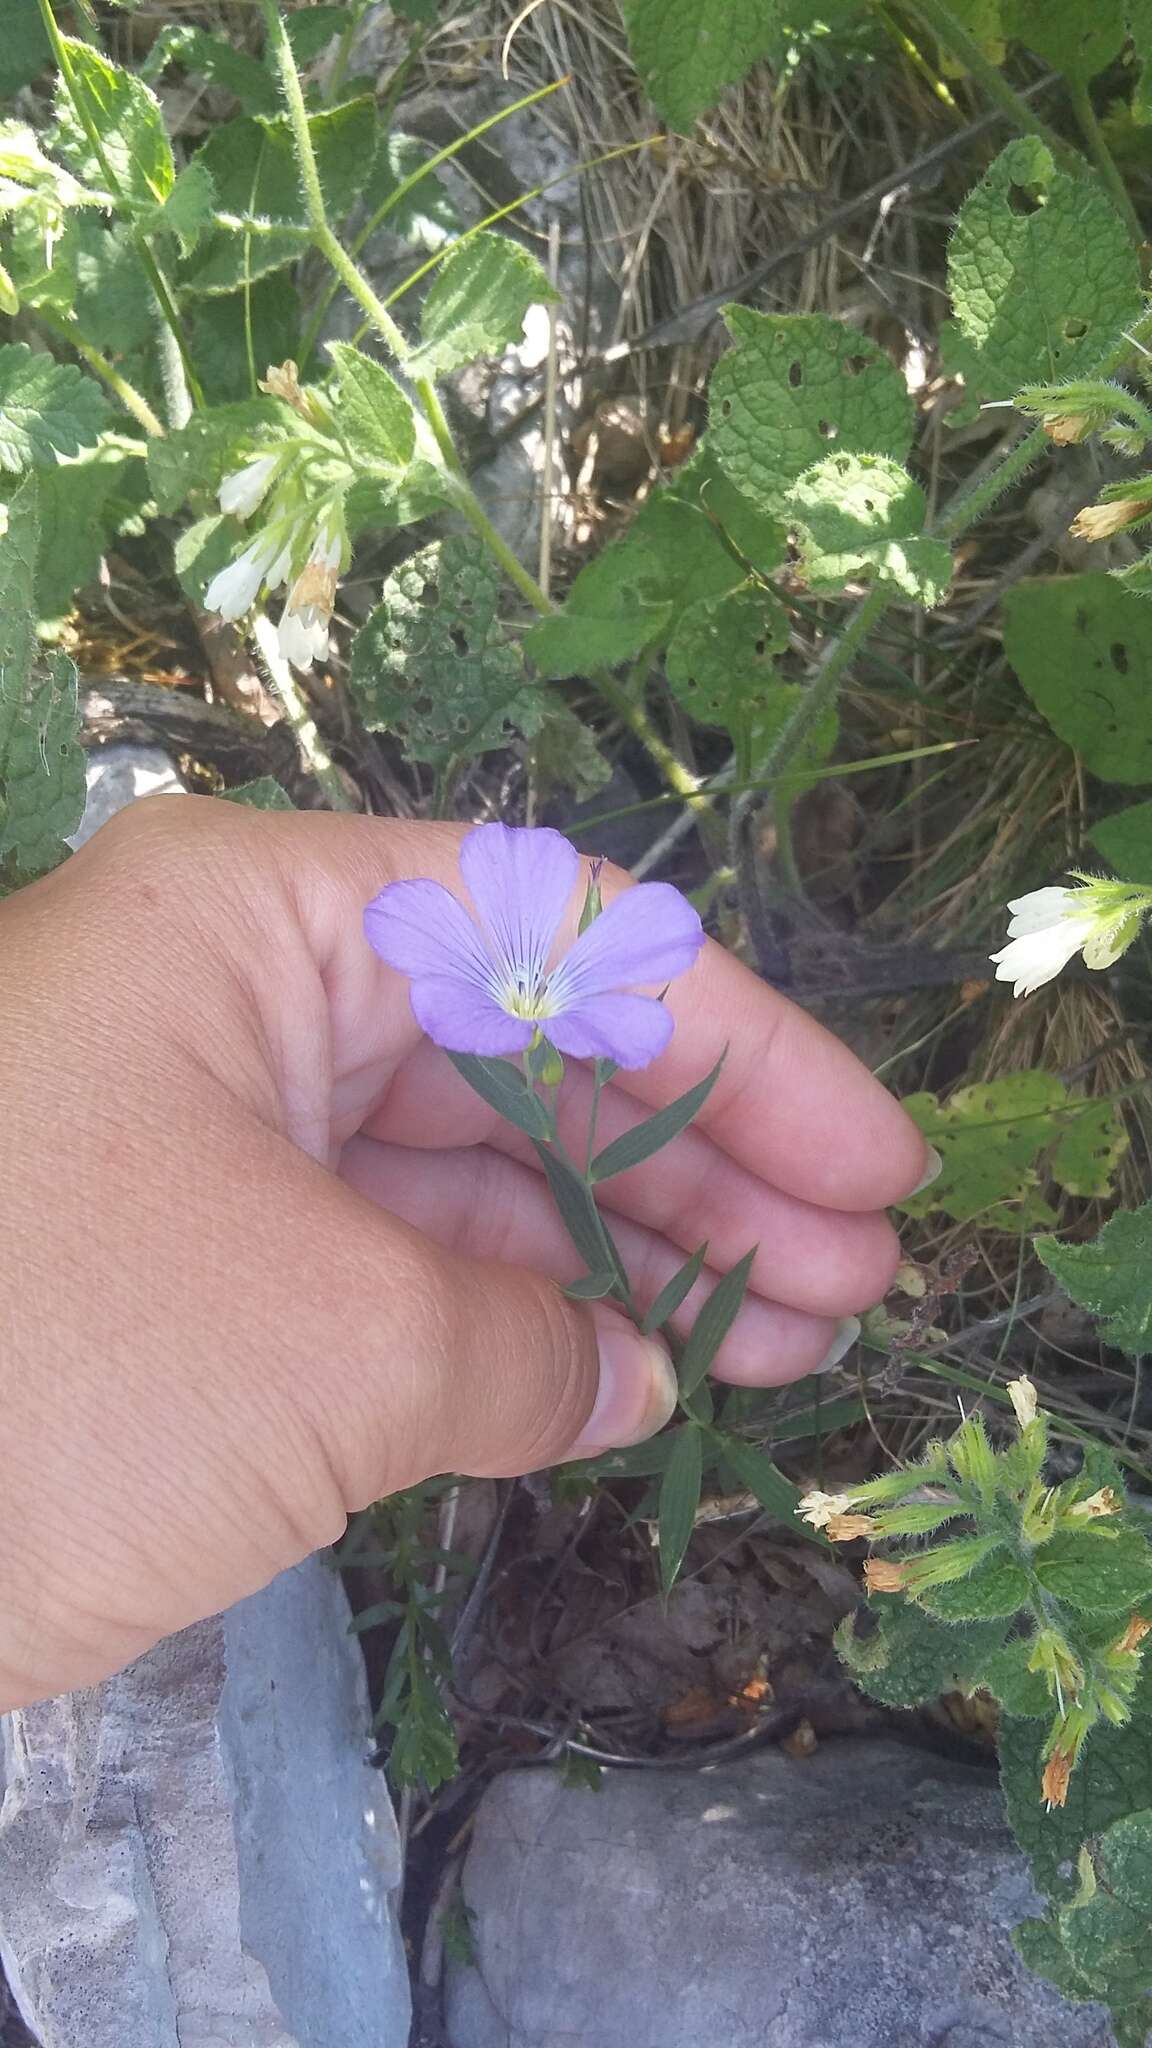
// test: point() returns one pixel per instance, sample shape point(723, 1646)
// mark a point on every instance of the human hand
point(269, 1258)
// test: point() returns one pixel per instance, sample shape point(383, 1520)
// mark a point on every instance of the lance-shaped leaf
point(638, 1144)
point(375, 414)
point(477, 302)
point(46, 408)
point(679, 1500)
point(863, 516)
point(505, 1090)
point(767, 1484)
point(1112, 1276)
point(713, 1324)
point(674, 1291)
point(41, 765)
point(581, 1218)
point(687, 51)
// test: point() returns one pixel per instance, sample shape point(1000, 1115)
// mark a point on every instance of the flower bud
point(845, 1528)
point(881, 1575)
point(1100, 522)
point(1022, 1395)
point(593, 901)
point(1133, 1636)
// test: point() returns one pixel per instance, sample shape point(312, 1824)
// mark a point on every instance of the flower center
point(525, 994)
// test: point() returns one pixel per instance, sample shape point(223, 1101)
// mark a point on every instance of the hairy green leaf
point(477, 302)
point(187, 211)
point(687, 51)
point(82, 505)
point(1111, 1275)
point(679, 1500)
point(1111, 1779)
point(374, 413)
point(910, 1657)
point(1042, 272)
point(1125, 840)
point(1082, 648)
point(989, 1136)
point(998, 1587)
point(426, 214)
point(722, 656)
point(431, 663)
point(193, 49)
point(1039, 1944)
point(126, 116)
point(759, 541)
point(42, 781)
point(253, 169)
point(713, 1324)
point(200, 455)
point(311, 29)
point(795, 388)
point(650, 1136)
point(46, 408)
point(863, 516)
point(1124, 1860)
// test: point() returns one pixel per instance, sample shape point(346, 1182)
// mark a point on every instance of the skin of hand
point(268, 1258)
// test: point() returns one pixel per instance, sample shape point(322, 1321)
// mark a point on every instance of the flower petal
point(648, 935)
point(1037, 957)
point(632, 1030)
point(1040, 909)
point(520, 878)
point(456, 1014)
point(420, 929)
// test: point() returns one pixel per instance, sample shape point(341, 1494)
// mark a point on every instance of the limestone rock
point(196, 1853)
point(860, 1899)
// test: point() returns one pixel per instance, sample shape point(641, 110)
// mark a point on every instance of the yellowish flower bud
point(845, 1528)
point(1022, 1395)
point(1133, 1635)
point(1065, 428)
point(1100, 522)
point(882, 1576)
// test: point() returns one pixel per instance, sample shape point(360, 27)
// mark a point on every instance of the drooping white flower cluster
point(1098, 918)
point(303, 542)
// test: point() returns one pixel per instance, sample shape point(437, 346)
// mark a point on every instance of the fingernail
point(931, 1172)
point(847, 1331)
point(637, 1391)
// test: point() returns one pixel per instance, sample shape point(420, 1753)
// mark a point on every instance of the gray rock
point(860, 1899)
point(196, 1854)
point(117, 775)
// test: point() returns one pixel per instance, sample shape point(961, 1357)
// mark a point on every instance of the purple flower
point(486, 986)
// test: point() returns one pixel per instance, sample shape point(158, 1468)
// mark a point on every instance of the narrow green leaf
point(375, 412)
point(656, 1131)
point(580, 1216)
point(674, 1291)
point(592, 1287)
point(679, 1500)
point(767, 1484)
point(713, 1324)
point(503, 1089)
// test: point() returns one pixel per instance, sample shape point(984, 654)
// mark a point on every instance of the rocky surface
point(117, 775)
point(196, 1854)
point(860, 1899)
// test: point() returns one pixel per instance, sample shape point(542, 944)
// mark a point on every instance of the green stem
point(820, 693)
point(339, 71)
point(127, 393)
point(1103, 158)
point(155, 275)
point(961, 44)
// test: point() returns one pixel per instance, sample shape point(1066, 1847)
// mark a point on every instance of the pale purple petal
point(420, 929)
point(463, 1018)
point(632, 1030)
point(521, 880)
point(648, 936)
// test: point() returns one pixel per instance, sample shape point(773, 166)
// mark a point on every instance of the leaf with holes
point(795, 387)
point(989, 1136)
point(1079, 40)
point(477, 302)
point(863, 516)
point(758, 540)
point(126, 116)
point(1042, 272)
point(1112, 1276)
point(431, 663)
point(1125, 840)
point(722, 656)
point(1091, 1144)
point(46, 408)
point(1082, 648)
point(687, 51)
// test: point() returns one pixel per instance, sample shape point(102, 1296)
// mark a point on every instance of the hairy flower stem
point(960, 43)
point(1103, 158)
point(127, 393)
point(156, 278)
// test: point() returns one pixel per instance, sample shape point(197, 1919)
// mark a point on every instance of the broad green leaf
point(982, 19)
point(1111, 1779)
point(679, 1500)
point(989, 1136)
point(127, 117)
point(187, 211)
point(504, 1089)
point(911, 1657)
point(1125, 840)
point(42, 782)
point(638, 1144)
point(1089, 1149)
point(375, 414)
point(1112, 1276)
point(862, 516)
point(1108, 1943)
point(426, 214)
point(1006, 1676)
point(626, 598)
point(767, 1484)
point(675, 1291)
point(24, 51)
point(253, 169)
point(759, 540)
point(193, 49)
point(794, 388)
point(721, 663)
point(1078, 39)
point(83, 504)
point(997, 1588)
point(1124, 1860)
point(1039, 1944)
point(46, 408)
point(687, 51)
point(311, 29)
point(476, 303)
point(264, 794)
point(565, 755)
point(199, 456)
point(1082, 648)
point(713, 1324)
point(580, 1216)
point(218, 332)
point(1042, 273)
point(431, 663)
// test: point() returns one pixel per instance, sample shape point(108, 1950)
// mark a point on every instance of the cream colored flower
point(1022, 1395)
point(242, 491)
point(822, 1508)
point(303, 629)
point(1104, 1502)
point(882, 1576)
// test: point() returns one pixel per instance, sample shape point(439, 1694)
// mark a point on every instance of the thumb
point(484, 1368)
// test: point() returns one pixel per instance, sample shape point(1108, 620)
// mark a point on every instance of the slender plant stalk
point(156, 277)
point(292, 702)
point(127, 393)
point(1103, 158)
point(962, 44)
